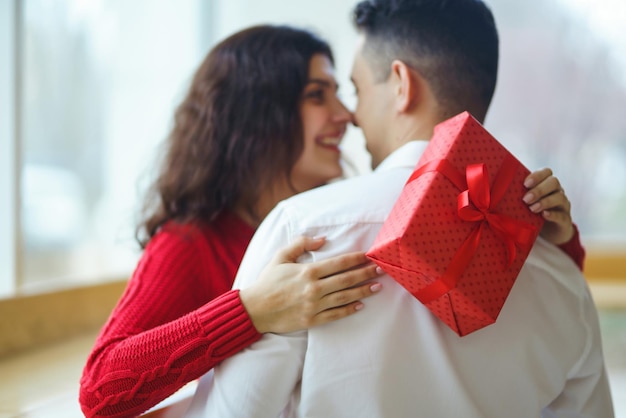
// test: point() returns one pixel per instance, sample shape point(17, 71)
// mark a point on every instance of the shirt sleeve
point(259, 380)
point(586, 393)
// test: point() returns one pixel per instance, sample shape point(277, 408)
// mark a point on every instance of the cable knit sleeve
point(174, 322)
point(574, 248)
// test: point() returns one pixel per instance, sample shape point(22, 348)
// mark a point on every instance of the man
point(418, 63)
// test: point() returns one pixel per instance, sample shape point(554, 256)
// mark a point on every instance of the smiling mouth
point(330, 141)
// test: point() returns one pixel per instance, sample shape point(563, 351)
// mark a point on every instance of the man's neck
point(411, 128)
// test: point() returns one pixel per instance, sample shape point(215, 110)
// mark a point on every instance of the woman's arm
point(169, 328)
point(547, 197)
point(290, 296)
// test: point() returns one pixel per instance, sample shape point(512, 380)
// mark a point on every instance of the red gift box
point(459, 233)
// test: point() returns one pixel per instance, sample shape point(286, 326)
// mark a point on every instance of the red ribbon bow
point(476, 203)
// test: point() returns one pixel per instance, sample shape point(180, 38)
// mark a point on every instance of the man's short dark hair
point(453, 44)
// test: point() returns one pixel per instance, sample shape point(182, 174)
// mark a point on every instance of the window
point(90, 86)
point(8, 165)
point(559, 102)
point(97, 82)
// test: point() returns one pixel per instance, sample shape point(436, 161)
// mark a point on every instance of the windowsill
point(33, 320)
point(608, 294)
point(47, 379)
point(30, 321)
point(606, 265)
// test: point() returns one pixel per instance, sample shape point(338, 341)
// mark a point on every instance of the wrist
point(567, 235)
point(253, 307)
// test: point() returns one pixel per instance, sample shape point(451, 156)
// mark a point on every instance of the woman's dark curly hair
point(237, 130)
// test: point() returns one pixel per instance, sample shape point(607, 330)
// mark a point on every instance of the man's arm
point(586, 393)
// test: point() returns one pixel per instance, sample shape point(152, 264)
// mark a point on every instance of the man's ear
point(406, 86)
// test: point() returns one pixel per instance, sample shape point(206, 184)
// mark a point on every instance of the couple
point(418, 63)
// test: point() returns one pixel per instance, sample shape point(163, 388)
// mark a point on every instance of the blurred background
point(88, 89)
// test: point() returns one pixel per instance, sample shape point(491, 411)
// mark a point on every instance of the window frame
point(9, 148)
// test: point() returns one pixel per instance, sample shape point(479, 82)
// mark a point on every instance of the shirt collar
point(405, 156)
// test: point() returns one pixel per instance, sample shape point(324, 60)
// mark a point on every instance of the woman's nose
point(342, 113)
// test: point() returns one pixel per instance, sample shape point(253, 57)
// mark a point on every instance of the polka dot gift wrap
point(459, 233)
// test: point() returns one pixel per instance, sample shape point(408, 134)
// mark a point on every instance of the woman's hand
point(546, 196)
point(289, 296)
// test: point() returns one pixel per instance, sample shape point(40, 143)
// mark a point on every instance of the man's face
point(374, 107)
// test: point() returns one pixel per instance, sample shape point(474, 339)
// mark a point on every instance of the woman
point(256, 127)
point(260, 123)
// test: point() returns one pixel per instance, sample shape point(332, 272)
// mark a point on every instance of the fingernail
point(321, 237)
point(536, 207)
point(546, 214)
point(376, 287)
point(528, 197)
point(358, 306)
point(529, 183)
point(379, 271)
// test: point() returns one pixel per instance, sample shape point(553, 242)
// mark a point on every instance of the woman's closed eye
point(317, 95)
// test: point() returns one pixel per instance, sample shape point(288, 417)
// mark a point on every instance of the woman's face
point(324, 119)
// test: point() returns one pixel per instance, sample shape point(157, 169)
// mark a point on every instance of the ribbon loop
point(466, 210)
point(478, 185)
point(476, 203)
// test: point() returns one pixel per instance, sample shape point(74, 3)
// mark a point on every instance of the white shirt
point(543, 356)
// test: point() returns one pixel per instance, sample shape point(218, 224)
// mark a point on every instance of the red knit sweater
point(575, 249)
point(178, 318)
point(175, 321)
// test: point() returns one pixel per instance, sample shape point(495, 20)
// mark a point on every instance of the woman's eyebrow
point(323, 83)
